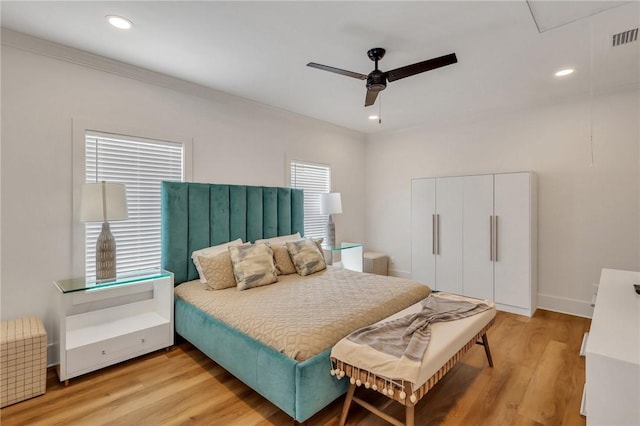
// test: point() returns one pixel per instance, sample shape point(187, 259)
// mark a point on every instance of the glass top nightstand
point(342, 246)
point(80, 284)
point(350, 255)
point(106, 322)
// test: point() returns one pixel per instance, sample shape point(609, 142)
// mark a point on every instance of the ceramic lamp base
point(105, 254)
point(331, 233)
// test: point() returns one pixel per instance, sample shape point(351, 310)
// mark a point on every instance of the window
point(314, 179)
point(140, 164)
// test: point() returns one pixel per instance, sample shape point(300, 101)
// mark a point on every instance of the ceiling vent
point(625, 37)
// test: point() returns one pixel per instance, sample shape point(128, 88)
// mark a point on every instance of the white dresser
point(613, 352)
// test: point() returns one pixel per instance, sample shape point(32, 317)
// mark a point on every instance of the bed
point(269, 360)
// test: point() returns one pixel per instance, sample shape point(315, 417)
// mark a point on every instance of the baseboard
point(514, 309)
point(580, 308)
point(399, 274)
point(52, 354)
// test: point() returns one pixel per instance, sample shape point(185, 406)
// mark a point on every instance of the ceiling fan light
point(119, 22)
point(564, 72)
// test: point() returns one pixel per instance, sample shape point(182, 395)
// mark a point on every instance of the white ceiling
point(259, 51)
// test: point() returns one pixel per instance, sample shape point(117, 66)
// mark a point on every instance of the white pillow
point(211, 252)
point(280, 240)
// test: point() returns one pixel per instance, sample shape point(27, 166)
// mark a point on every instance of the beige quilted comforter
point(303, 316)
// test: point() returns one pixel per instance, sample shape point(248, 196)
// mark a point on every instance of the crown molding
point(40, 46)
point(72, 55)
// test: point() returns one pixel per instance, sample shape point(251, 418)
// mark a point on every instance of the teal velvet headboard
point(199, 215)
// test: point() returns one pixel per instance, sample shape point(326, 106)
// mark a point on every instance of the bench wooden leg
point(410, 415)
point(347, 404)
point(485, 343)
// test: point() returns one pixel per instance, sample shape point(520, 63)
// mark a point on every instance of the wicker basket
point(23, 360)
point(376, 263)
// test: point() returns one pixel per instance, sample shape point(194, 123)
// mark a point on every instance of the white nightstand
point(103, 323)
point(350, 255)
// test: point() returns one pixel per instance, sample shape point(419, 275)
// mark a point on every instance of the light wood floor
point(537, 380)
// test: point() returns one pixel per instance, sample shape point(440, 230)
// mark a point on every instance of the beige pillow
point(253, 265)
point(306, 256)
point(218, 271)
point(281, 257)
point(210, 252)
point(319, 242)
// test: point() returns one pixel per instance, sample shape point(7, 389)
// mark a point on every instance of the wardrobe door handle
point(438, 229)
point(433, 234)
point(496, 239)
point(491, 238)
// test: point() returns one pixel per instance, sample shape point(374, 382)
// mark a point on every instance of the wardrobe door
point(477, 271)
point(449, 196)
point(512, 228)
point(423, 209)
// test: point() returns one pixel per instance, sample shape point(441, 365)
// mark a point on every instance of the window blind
point(140, 164)
point(314, 179)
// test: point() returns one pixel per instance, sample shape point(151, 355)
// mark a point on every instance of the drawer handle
point(104, 352)
point(142, 340)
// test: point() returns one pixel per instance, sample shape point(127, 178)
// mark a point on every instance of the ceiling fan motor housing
point(376, 81)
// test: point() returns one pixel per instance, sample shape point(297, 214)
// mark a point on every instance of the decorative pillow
point(319, 242)
point(253, 265)
point(281, 257)
point(218, 271)
point(211, 252)
point(280, 240)
point(306, 256)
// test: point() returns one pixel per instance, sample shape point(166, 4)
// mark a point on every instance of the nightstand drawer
point(99, 354)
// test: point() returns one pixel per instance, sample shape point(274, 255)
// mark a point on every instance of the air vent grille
point(625, 37)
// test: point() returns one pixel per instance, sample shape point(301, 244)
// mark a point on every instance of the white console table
point(613, 352)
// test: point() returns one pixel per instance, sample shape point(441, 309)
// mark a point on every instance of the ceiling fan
point(377, 80)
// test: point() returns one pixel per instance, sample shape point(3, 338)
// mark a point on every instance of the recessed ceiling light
point(564, 72)
point(373, 117)
point(119, 22)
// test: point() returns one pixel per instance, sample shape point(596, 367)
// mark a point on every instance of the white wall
point(588, 216)
point(234, 141)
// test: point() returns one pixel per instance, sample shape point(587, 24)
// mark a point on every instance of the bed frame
point(196, 215)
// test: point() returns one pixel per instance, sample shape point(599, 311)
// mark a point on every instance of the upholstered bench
point(449, 342)
point(23, 360)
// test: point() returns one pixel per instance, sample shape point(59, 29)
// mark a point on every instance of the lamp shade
point(330, 203)
point(103, 202)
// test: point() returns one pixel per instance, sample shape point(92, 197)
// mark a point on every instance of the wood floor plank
point(550, 388)
point(500, 399)
point(537, 380)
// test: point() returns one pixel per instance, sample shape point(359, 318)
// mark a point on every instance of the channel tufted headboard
point(199, 215)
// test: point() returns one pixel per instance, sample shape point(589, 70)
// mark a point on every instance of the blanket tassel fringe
point(392, 388)
point(398, 390)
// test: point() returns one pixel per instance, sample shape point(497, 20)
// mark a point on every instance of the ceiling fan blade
point(371, 97)
point(337, 71)
point(413, 69)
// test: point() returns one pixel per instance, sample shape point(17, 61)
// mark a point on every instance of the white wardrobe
point(477, 236)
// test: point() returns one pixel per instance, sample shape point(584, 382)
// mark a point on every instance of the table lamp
point(104, 202)
point(331, 203)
